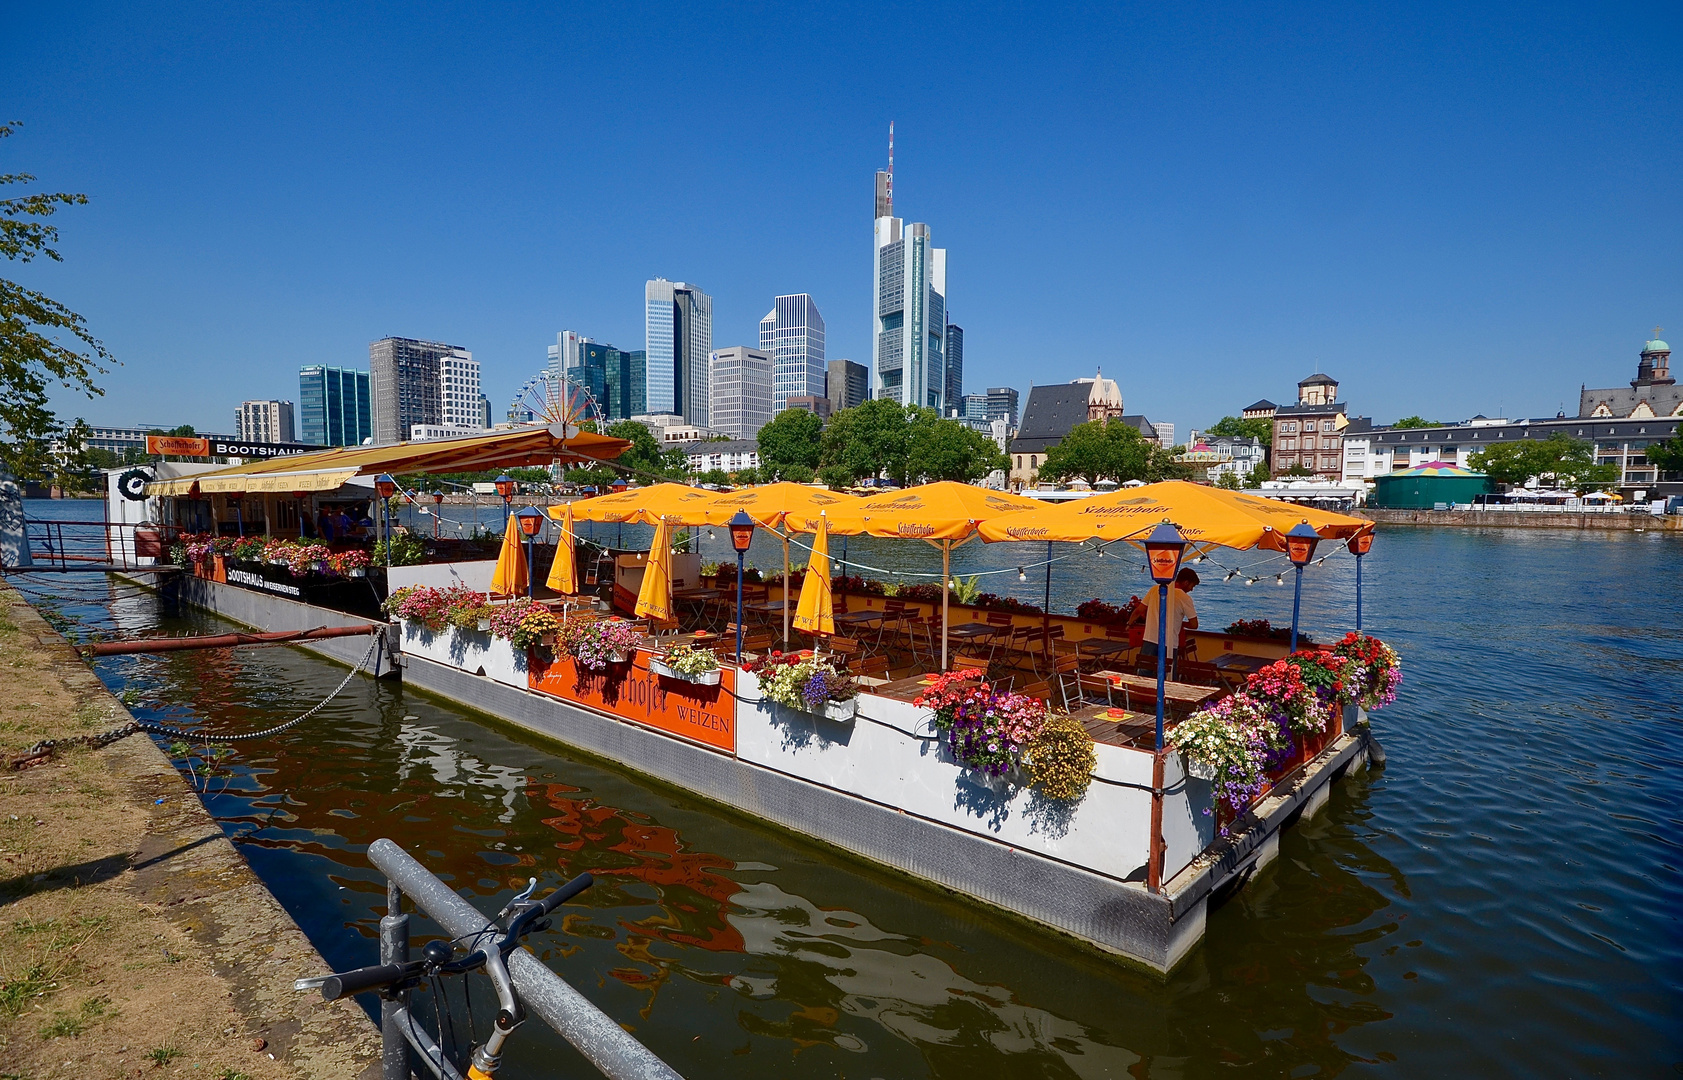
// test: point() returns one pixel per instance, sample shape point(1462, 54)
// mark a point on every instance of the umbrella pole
point(785, 590)
point(946, 579)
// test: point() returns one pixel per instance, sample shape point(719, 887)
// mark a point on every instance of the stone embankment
point(134, 939)
point(1511, 519)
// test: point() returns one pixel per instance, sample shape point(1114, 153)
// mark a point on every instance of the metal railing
point(591, 1031)
point(74, 544)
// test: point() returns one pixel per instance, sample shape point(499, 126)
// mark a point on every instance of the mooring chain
point(135, 727)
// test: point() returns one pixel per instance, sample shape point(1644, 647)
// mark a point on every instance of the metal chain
point(135, 727)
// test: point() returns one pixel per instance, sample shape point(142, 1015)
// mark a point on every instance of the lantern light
point(300, 496)
point(1300, 544)
point(741, 531)
point(531, 520)
point(505, 485)
point(385, 485)
point(1021, 574)
point(438, 498)
point(1361, 543)
point(1164, 548)
point(1280, 578)
point(235, 496)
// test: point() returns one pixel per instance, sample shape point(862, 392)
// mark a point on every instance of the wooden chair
point(971, 663)
point(846, 648)
point(1066, 672)
point(870, 670)
point(921, 632)
point(1041, 691)
point(1114, 644)
point(758, 641)
point(1021, 643)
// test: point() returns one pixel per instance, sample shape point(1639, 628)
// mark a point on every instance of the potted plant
point(351, 564)
point(596, 643)
point(687, 663)
point(808, 683)
point(987, 730)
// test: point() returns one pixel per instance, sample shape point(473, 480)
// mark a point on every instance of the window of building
point(1308, 425)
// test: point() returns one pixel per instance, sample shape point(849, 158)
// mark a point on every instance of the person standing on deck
point(1182, 613)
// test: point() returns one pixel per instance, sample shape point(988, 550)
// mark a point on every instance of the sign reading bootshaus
point(209, 446)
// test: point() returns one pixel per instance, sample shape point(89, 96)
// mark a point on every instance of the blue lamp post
point(1163, 551)
point(505, 487)
point(741, 536)
point(1360, 545)
point(531, 521)
point(1300, 549)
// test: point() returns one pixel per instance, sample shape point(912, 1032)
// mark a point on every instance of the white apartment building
point(432, 432)
point(265, 421)
point(731, 456)
point(460, 402)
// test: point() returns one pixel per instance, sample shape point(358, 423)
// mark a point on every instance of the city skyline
point(1455, 211)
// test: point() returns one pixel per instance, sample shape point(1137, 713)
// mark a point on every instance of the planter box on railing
point(702, 678)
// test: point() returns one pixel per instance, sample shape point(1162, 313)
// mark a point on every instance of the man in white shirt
point(1182, 612)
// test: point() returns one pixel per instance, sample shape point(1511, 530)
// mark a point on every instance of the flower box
point(361, 572)
point(839, 711)
point(705, 678)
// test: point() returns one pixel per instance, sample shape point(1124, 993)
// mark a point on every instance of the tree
point(1234, 427)
point(869, 440)
point(939, 448)
point(745, 477)
point(1228, 481)
point(716, 477)
point(836, 477)
point(1667, 456)
point(1100, 450)
point(1299, 470)
point(646, 460)
point(32, 358)
point(1415, 422)
point(1569, 462)
point(790, 443)
point(73, 468)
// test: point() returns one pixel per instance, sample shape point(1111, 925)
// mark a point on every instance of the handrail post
point(394, 949)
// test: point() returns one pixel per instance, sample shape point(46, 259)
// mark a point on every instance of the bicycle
point(525, 916)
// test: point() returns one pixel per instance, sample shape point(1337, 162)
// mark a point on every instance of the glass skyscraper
point(792, 334)
point(333, 406)
point(678, 324)
point(908, 349)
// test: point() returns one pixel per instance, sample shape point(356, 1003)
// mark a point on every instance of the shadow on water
point(1500, 900)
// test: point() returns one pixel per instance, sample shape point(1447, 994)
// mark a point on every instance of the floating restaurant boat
point(856, 734)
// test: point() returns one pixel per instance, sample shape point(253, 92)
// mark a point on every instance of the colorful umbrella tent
point(509, 577)
point(563, 572)
point(654, 600)
point(817, 612)
point(946, 514)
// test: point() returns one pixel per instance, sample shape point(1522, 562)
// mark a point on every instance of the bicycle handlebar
point(367, 978)
point(565, 893)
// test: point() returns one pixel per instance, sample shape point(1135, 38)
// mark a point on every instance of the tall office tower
point(404, 376)
point(566, 365)
point(678, 322)
point(1002, 402)
point(846, 384)
point(792, 334)
point(458, 387)
point(908, 347)
point(485, 412)
point(264, 421)
point(742, 396)
point(623, 378)
point(333, 406)
point(953, 394)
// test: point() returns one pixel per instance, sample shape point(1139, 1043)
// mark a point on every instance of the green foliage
point(646, 459)
point(944, 449)
point(790, 442)
point(1061, 759)
point(745, 477)
point(1298, 470)
point(1569, 462)
point(717, 477)
point(73, 469)
point(1254, 478)
point(406, 551)
point(836, 477)
point(32, 355)
point(905, 444)
point(965, 591)
point(1228, 481)
point(1667, 456)
point(1099, 450)
point(1415, 422)
point(598, 475)
point(1236, 427)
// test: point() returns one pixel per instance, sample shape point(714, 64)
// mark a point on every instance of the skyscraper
point(406, 382)
point(742, 391)
point(678, 323)
point(264, 421)
point(458, 390)
point(333, 406)
point(847, 384)
point(792, 334)
point(953, 394)
point(908, 347)
point(624, 379)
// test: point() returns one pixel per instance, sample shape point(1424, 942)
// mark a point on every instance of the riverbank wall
point(1109, 909)
point(1520, 519)
point(162, 944)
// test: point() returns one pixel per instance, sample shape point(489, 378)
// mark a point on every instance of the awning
point(520, 447)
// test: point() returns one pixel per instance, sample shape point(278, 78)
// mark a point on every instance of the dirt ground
point(134, 940)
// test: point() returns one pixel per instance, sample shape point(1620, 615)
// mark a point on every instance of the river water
point(1502, 899)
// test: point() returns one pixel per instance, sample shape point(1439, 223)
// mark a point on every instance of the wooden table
point(906, 689)
point(699, 594)
point(858, 618)
point(1240, 663)
point(1132, 729)
point(1137, 689)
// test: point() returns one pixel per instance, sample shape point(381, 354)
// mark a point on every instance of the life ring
point(133, 484)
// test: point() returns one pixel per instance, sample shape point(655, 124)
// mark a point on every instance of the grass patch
point(162, 1055)
point(37, 954)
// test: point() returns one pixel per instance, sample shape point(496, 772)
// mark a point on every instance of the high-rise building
point(792, 334)
point(1165, 434)
point(405, 378)
point(954, 391)
point(813, 403)
point(264, 421)
point(909, 290)
point(678, 322)
point(1002, 401)
point(458, 391)
point(334, 408)
point(623, 377)
point(847, 384)
point(741, 383)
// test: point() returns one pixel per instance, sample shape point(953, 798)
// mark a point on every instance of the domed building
point(1652, 393)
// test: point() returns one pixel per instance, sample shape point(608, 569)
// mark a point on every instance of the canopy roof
point(1204, 515)
point(1438, 468)
point(677, 504)
point(941, 511)
point(323, 470)
point(772, 505)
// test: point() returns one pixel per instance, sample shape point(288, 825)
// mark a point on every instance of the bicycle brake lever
point(526, 894)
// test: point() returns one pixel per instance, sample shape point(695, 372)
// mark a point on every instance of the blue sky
point(1453, 209)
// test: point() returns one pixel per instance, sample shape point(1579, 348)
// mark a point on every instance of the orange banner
point(705, 714)
point(177, 446)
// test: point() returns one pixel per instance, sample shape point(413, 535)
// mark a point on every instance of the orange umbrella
point(678, 503)
point(509, 578)
point(817, 613)
point(654, 599)
point(1206, 516)
point(563, 574)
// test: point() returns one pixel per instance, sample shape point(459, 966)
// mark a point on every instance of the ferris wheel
point(548, 401)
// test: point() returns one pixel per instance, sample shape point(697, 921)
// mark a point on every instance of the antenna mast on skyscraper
point(891, 168)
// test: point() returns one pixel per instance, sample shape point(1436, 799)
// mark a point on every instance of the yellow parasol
point(945, 513)
point(509, 578)
point(817, 613)
point(1206, 516)
point(678, 503)
point(563, 573)
point(654, 599)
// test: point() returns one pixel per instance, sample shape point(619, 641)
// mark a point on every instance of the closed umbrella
point(654, 599)
point(563, 574)
point(817, 611)
point(509, 578)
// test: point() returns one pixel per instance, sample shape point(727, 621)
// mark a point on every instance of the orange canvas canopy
point(509, 577)
point(945, 510)
point(1205, 515)
point(676, 504)
point(770, 505)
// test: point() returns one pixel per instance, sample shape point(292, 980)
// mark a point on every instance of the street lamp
point(741, 535)
point(437, 513)
point(1163, 549)
point(386, 487)
point(1360, 545)
point(236, 497)
point(1300, 548)
point(505, 487)
point(531, 520)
